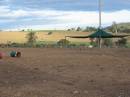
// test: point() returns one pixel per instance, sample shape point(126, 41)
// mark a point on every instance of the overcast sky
point(59, 14)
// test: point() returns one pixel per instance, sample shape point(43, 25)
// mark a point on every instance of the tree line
point(114, 28)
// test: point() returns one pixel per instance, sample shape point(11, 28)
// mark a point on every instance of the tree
point(90, 29)
point(49, 33)
point(78, 29)
point(23, 30)
point(114, 28)
point(72, 29)
point(31, 38)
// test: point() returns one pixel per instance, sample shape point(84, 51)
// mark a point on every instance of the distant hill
point(126, 25)
point(121, 27)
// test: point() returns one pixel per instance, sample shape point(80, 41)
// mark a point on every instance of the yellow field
point(20, 37)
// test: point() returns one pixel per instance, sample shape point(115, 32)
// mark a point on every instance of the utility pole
point(100, 13)
point(100, 20)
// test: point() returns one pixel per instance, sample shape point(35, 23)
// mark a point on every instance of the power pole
point(100, 13)
point(100, 20)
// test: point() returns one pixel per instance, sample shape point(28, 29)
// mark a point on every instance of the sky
point(60, 14)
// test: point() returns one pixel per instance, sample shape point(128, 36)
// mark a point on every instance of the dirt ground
point(56, 72)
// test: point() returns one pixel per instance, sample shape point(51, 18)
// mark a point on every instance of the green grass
point(54, 42)
point(128, 45)
point(45, 42)
point(81, 43)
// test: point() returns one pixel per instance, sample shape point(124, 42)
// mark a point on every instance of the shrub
point(94, 42)
point(107, 42)
point(122, 42)
point(31, 38)
point(49, 33)
point(63, 42)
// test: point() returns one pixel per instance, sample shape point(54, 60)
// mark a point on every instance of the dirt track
point(66, 73)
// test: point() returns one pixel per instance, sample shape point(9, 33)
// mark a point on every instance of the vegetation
point(94, 42)
point(63, 42)
point(49, 33)
point(31, 38)
point(55, 38)
point(79, 29)
point(107, 42)
point(114, 28)
point(90, 29)
point(121, 28)
point(122, 42)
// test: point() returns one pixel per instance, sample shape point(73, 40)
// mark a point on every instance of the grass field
point(20, 37)
point(45, 38)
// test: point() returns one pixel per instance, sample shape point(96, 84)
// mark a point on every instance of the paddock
point(65, 72)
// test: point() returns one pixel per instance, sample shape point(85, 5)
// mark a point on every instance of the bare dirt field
point(55, 72)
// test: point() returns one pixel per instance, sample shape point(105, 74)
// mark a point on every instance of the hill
point(121, 27)
point(125, 25)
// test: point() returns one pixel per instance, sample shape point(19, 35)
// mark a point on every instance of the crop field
point(21, 37)
point(60, 72)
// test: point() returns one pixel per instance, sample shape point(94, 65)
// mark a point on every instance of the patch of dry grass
point(20, 37)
